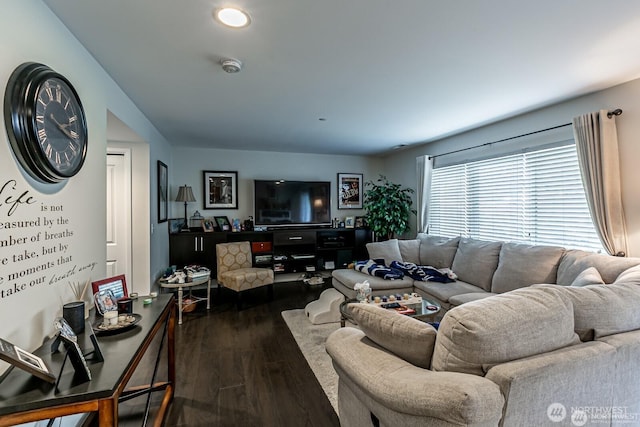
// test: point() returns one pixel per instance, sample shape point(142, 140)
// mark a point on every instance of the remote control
point(391, 305)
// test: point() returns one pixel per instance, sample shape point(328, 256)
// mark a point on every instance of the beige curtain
point(597, 146)
point(424, 170)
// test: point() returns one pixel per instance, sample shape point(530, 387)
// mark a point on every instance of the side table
point(189, 284)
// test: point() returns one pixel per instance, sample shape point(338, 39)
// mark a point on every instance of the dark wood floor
point(242, 368)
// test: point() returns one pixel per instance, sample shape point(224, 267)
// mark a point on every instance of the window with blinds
point(535, 197)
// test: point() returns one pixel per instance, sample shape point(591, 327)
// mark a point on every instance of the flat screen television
point(280, 203)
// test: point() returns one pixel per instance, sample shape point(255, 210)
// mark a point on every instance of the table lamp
point(185, 194)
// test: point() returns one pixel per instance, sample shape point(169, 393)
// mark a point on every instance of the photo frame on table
point(350, 190)
point(26, 361)
point(77, 358)
point(223, 223)
point(176, 225)
point(349, 222)
point(163, 192)
point(105, 301)
point(220, 189)
point(116, 284)
point(207, 225)
point(360, 222)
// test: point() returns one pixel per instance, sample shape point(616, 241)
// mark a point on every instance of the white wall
point(400, 167)
point(31, 32)
point(189, 163)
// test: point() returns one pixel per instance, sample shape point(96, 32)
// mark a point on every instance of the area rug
point(311, 339)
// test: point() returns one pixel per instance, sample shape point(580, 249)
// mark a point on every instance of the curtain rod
point(610, 114)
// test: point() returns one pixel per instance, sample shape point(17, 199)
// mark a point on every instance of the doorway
point(119, 213)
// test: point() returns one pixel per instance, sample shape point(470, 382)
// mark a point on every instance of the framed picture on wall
point(220, 189)
point(163, 192)
point(350, 191)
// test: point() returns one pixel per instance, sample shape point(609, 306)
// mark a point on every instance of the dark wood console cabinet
point(287, 250)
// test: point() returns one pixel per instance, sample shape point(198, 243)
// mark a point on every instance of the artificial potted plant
point(388, 207)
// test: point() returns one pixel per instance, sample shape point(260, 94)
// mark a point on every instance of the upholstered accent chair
point(236, 271)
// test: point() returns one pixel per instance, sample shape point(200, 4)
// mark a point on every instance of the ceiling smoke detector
point(231, 65)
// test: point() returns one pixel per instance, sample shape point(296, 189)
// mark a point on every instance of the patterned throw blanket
point(424, 273)
point(372, 268)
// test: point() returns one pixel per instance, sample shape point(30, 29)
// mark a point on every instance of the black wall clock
point(45, 123)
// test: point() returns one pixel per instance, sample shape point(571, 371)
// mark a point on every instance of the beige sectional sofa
point(483, 268)
point(538, 355)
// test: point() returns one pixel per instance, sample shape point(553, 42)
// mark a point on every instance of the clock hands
point(62, 127)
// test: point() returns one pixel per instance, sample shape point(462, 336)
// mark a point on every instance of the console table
point(290, 249)
point(25, 398)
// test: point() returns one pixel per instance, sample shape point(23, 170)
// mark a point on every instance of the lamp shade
point(185, 194)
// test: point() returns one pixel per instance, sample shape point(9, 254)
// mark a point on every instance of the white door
point(119, 215)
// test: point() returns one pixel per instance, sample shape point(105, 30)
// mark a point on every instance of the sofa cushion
point(476, 261)
point(349, 278)
point(408, 338)
point(410, 250)
point(522, 265)
point(475, 336)
point(589, 276)
point(445, 291)
point(603, 309)
point(387, 251)
point(630, 276)
point(576, 261)
point(437, 251)
point(471, 296)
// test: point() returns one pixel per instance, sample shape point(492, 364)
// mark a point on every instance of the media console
point(285, 250)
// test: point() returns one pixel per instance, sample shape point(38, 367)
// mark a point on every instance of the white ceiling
point(380, 72)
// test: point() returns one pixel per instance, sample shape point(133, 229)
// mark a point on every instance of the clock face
point(45, 123)
point(58, 127)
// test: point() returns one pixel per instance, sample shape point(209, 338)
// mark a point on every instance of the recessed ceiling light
point(232, 17)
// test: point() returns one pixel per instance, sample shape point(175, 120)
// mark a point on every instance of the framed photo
point(176, 225)
point(220, 189)
point(25, 361)
point(207, 225)
point(223, 223)
point(77, 358)
point(117, 285)
point(360, 222)
point(163, 192)
point(105, 301)
point(350, 191)
point(349, 222)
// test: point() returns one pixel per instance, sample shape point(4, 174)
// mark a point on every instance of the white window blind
point(535, 197)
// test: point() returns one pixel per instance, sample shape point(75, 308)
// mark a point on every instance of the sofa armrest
point(405, 388)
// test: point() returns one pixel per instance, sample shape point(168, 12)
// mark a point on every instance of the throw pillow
point(408, 338)
point(387, 250)
point(437, 251)
point(589, 276)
